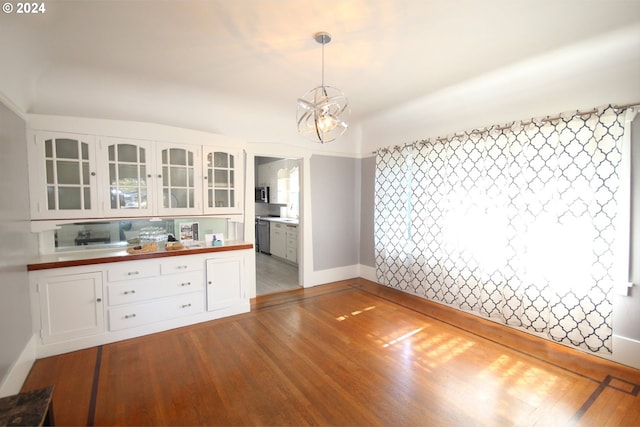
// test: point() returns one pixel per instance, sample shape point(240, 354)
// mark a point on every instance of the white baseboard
point(332, 275)
point(368, 273)
point(626, 351)
point(12, 382)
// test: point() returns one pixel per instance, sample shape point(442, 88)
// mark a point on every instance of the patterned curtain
point(512, 223)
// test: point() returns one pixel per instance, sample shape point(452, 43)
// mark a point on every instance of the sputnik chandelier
point(323, 113)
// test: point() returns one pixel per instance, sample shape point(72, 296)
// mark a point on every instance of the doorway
point(277, 211)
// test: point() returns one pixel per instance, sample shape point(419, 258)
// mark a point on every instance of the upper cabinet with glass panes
point(222, 170)
point(128, 189)
point(63, 176)
point(179, 189)
point(79, 176)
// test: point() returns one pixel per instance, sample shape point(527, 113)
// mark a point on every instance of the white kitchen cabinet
point(284, 241)
point(292, 243)
point(127, 182)
point(225, 282)
point(62, 175)
point(179, 172)
point(222, 174)
point(71, 306)
point(278, 239)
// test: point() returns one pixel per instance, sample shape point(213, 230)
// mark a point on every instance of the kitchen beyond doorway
point(277, 266)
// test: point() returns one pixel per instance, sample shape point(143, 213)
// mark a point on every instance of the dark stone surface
point(31, 408)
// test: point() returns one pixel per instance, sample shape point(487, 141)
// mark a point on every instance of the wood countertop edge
point(134, 257)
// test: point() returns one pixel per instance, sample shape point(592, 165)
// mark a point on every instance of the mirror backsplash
point(121, 233)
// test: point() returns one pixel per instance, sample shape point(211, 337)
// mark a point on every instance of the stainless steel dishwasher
point(262, 236)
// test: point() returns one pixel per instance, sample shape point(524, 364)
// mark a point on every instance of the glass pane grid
point(67, 174)
point(178, 183)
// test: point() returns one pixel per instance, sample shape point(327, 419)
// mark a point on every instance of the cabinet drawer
point(292, 242)
point(155, 288)
point(142, 314)
point(292, 255)
point(132, 270)
point(180, 264)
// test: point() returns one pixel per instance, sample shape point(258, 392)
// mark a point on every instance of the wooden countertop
point(90, 257)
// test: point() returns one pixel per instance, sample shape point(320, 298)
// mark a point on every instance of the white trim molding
point(12, 382)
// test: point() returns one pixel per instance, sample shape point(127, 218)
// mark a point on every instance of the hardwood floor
point(274, 275)
point(348, 353)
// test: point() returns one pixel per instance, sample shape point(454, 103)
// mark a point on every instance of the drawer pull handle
point(130, 292)
point(185, 284)
point(99, 300)
point(186, 305)
point(182, 267)
point(133, 273)
point(129, 316)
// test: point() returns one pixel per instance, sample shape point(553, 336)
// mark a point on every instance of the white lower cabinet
point(284, 241)
point(130, 316)
point(71, 306)
point(176, 288)
point(278, 239)
point(224, 282)
point(140, 297)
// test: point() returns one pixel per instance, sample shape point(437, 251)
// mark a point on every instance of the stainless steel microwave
point(262, 194)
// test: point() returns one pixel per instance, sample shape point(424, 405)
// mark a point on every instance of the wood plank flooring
point(274, 275)
point(348, 353)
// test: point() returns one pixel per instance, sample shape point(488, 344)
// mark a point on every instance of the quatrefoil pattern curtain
point(515, 223)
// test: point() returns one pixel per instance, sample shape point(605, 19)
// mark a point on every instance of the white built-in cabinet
point(128, 181)
point(71, 306)
point(140, 297)
point(225, 282)
point(84, 176)
point(180, 180)
point(223, 174)
point(63, 180)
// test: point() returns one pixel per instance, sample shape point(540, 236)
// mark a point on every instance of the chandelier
point(323, 112)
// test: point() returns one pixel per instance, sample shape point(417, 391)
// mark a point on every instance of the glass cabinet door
point(69, 176)
point(129, 176)
point(179, 183)
point(220, 176)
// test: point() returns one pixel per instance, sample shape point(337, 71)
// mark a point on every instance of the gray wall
point(18, 242)
point(626, 310)
point(335, 209)
point(367, 200)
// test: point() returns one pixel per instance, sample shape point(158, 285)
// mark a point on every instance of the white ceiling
point(200, 64)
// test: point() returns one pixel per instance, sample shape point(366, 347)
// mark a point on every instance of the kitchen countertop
point(102, 256)
point(292, 221)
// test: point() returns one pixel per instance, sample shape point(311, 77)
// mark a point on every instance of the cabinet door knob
point(93, 174)
point(159, 176)
point(149, 176)
point(99, 300)
point(209, 282)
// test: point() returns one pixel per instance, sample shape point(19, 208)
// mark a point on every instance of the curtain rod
point(507, 126)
